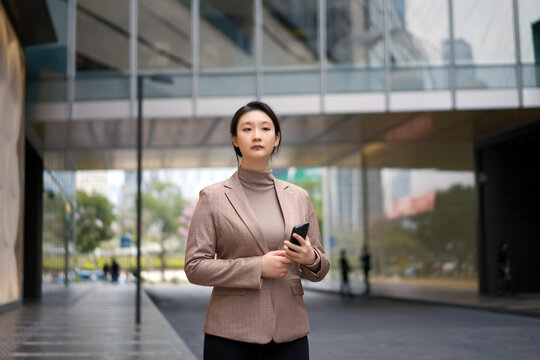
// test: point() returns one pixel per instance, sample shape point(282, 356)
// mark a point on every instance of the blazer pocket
point(219, 291)
point(296, 287)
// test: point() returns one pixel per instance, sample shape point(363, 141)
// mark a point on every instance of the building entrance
point(509, 207)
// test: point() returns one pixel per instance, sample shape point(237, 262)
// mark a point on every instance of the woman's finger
point(299, 238)
point(290, 245)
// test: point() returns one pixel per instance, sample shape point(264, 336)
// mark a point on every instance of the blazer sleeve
point(202, 268)
point(318, 270)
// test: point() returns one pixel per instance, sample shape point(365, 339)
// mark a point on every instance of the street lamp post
point(160, 78)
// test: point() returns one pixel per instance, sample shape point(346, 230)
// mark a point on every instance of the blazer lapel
point(236, 195)
point(281, 191)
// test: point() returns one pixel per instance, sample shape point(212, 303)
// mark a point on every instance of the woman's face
point(255, 136)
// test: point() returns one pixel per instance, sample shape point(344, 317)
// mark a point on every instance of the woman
point(238, 243)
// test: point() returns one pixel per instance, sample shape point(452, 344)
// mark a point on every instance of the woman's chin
point(256, 156)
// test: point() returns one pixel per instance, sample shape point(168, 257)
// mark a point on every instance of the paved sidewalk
point(93, 321)
point(520, 304)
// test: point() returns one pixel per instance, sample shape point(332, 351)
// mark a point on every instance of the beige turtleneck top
point(261, 193)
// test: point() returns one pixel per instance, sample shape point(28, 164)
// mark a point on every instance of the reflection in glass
point(484, 35)
point(290, 47)
point(427, 227)
point(180, 87)
point(102, 49)
point(227, 48)
point(292, 81)
point(164, 37)
point(418, 34)
point(355, 45)
point(344, 222)
point(228, 83)
point(58, 216)
point(529, 32)
point(421, 221)
point(102, 35)
point(290, 32)
point(227, 34)
point(46, 64)
point(101, 85)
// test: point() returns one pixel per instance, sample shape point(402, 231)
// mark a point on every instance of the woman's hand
point(303, 254)
point(275, 264)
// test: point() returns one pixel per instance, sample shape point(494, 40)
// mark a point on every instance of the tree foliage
point(444, 235)
point(449, 232)
point(94, 218)
point(162, 204)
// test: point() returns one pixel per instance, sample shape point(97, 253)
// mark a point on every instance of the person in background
point(345, 287)
point(365, 259)
point(115, 271)
point(105, 271)
point(238, 242)
point(504, 274)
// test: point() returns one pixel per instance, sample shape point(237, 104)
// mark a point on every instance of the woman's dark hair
point(252, 106)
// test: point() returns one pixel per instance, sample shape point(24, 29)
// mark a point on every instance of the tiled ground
point(93, 321)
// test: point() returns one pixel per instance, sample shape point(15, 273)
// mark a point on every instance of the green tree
point(392, 245)
point(94, 218)
point(162, 204)
point(448, 233)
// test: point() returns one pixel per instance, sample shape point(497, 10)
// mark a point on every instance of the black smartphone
point(300, 229)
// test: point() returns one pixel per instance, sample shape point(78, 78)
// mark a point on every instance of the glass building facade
point(388, 97)
point(256, 48)
point(59, 227)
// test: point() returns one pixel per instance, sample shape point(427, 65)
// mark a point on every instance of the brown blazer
point(224, 249)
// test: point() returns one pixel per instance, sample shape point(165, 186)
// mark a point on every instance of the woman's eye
point(246, 129)
point(266, 129)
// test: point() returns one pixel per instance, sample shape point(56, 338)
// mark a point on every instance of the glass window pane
point(484, 36)
point(290, 47)
point(355, 45)
point(427, 228)
point(164, 38)
point(102, 49)
point(239, 83)
point(180, 87)
point(529, 32)
point(419, 33)
point(483, 28)
point(292, 81)
point(290, 32)
point(101, 85)
point(102, 35)
point(46, 64)
point(227, 34)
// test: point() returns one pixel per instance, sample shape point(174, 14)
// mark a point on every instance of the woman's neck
point(255, 166)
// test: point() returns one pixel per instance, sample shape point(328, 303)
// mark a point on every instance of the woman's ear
point(278, 138)
point(233, 140)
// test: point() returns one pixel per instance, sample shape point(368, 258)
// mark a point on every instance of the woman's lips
point(256, 147)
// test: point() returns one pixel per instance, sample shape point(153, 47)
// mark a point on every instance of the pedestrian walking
point(365, 259)
point(115, 271)
point(238, 242)
point(105, 272)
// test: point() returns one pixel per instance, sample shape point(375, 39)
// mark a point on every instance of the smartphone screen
point(300, 229)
